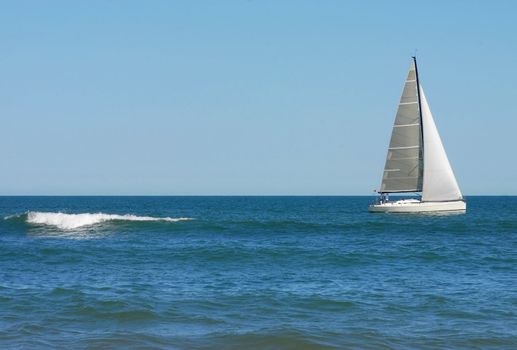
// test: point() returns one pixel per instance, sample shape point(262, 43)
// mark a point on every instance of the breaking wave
point(72, 221)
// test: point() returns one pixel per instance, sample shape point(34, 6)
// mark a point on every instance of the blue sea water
point(254, 273)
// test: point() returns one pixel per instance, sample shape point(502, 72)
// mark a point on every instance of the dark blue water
point(255, 273)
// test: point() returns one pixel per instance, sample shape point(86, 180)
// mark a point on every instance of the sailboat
point(416, 160)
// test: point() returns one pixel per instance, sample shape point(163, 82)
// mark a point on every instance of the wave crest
point(72, 221)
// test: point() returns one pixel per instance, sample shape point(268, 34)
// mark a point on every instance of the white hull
point(416, 206)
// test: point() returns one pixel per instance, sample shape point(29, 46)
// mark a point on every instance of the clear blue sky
point(247, 97)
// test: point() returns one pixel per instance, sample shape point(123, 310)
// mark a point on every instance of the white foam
point(71, 221)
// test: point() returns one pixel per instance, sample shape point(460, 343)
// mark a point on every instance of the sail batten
point(404, 166)
point(404, 125)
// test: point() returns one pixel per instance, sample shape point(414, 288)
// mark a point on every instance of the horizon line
point(231, 195)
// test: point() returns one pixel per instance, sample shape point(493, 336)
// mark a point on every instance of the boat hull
point(415, 206)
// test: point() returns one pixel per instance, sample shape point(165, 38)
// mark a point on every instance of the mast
point(420, 114)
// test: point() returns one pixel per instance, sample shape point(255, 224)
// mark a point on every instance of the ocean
point(254, 273)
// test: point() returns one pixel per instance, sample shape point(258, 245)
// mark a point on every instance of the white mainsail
point(439, 182)
point(403, 171)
